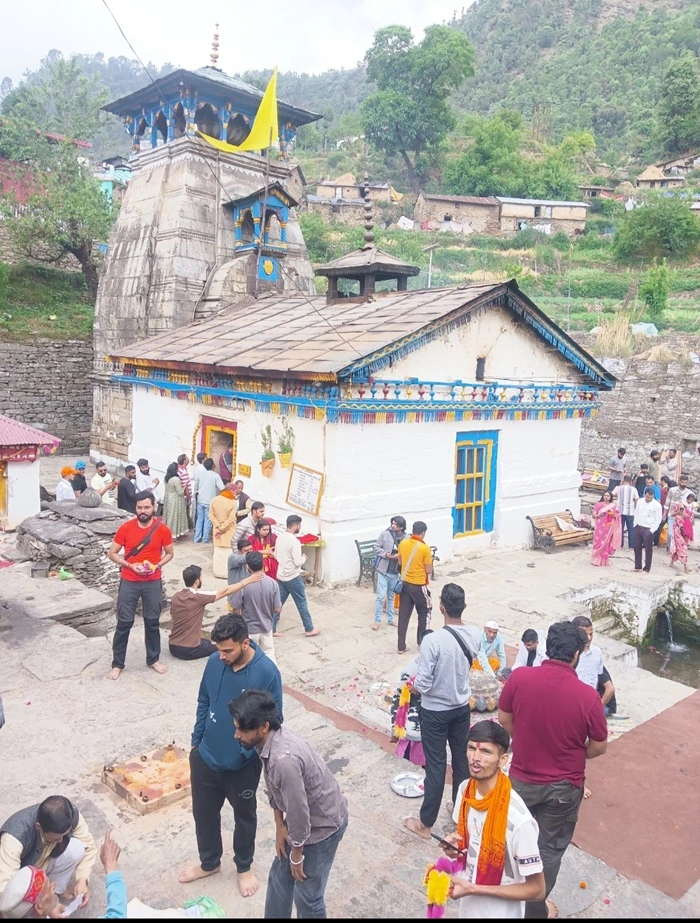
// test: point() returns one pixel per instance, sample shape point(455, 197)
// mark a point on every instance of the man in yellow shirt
point(415, 567)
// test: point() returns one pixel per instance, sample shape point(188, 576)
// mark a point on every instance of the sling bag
point(455, 635)
point(144, 541)
point(399, 582)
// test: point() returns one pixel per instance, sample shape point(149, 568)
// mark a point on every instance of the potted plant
point(285, 444)
point(267, 462)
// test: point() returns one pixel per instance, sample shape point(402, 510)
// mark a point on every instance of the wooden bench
point(593, 478)
point(365, 550)
point(548, 535)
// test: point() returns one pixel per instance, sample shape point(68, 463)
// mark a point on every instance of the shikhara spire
point(369, 217)
point(214, 54)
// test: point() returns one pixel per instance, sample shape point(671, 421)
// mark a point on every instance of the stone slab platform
point(50, 597)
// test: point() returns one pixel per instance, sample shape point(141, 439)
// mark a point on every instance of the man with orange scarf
point(503, 867)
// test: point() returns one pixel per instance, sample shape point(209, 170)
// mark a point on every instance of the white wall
point(375, 472)
point(512, 351)
point(163, 429)
point(22, 491)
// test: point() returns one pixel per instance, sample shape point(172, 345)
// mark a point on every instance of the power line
point(221, 185)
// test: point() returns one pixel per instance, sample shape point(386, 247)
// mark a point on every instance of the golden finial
point(369, 219)
point(214, 56)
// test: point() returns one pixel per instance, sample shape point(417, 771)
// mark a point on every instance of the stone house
point(597, 192)
point(662, 176)
point(465, 214)
point(341, 200)
point(21, 447)
point(545, 215)
point(461, 406)
point(346, 188)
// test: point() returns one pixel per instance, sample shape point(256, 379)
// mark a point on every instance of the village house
point(461, 214)
point(545, 215)
point(21, 447)
point(498, 215)
point(597, 192)
point(341, 200)
point(669, 174)
point(460, 406)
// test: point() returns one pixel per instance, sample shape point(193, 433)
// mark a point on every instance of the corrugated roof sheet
point(289, 333)
point(12, 432)
point(462, 199)
point(511, 201)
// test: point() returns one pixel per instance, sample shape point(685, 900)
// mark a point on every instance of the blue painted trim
point(336, 410)
point(509, 297)
point(474, 438)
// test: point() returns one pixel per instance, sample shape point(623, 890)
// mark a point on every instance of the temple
point(199, 229)
point(205, 100)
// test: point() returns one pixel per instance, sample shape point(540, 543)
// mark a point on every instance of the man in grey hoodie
point(386, 548)
point(442, 680)
point(237, 567)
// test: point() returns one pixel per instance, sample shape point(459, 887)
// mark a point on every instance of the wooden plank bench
point(365, 550)
point(547, 534)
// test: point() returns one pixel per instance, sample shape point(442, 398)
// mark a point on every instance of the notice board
point(305, 489)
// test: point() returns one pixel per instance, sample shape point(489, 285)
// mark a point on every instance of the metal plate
point(408, 784)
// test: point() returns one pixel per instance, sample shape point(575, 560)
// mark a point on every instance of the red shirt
point(554, 714)
point(130, 534)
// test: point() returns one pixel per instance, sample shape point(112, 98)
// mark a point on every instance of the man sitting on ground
point(53, 838)
point(497, 832)
point(258, 602)
point(187, 608)
point(492, 651)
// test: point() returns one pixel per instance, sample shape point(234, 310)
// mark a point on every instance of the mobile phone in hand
point(447, 845)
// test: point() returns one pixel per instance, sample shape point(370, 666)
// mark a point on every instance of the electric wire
point(167, 105)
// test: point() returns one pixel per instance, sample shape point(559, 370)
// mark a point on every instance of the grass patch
point(40, 301)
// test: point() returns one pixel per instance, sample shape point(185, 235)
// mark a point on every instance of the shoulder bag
point(459, 640)
point(399, 582)
point(144, 541)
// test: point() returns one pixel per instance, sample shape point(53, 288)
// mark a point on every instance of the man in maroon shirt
point(556, 723)
point(147, 545)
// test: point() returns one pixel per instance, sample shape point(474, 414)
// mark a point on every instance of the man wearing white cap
point(52, 837)
point(29, 889)
point(492, 651)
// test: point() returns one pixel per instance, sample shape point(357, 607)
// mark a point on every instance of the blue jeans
point(203, 527)
point(386, 584)
point(627, 523)
point(308, 896)
point(294, 588)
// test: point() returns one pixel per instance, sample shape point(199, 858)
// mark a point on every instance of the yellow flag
point(265, 130)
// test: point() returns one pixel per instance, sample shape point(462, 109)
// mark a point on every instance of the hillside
point(588, 63)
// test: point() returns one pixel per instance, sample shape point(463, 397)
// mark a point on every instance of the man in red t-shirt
point(556, 723)
point(147, 545)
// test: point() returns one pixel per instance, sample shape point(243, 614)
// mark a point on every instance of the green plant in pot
point(267, 462)
point(285, 443)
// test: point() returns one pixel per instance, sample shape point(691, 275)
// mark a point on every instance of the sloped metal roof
point(461, 199)
point(12, 432)
point(367, 260)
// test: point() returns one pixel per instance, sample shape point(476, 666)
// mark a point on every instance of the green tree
point(664, 227)
point(41, 121)
point(678, 109)
point(410, 113)
point(654, 292)
point(492, 164)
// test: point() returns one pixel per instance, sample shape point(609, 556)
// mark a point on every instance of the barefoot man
point(141, 547)
point(221, 769)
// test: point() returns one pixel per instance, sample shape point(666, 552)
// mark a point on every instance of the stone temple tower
point(187, 240)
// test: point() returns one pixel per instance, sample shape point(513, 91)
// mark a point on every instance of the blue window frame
point(476, 459)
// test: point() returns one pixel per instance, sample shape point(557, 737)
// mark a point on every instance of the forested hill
point(593, 63)
point(587, 64)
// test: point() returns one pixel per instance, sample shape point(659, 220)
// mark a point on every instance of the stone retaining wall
point(50, 383)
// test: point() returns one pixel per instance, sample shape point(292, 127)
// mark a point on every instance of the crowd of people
point(511, 827)
point(654, 506)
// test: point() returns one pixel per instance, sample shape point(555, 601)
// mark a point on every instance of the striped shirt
point(626, 497)
point(184, 476)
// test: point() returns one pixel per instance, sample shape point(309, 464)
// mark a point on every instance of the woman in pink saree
point(607, 535)
point(683, 521)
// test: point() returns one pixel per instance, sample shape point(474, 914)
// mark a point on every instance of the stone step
point(605, 624)
point(616, 633)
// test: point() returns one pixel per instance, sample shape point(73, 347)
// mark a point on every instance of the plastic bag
point(208, 908)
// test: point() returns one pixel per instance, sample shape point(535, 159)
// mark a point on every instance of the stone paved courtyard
point(65, 721)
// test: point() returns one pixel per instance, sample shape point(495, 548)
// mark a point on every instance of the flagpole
point(264, 214)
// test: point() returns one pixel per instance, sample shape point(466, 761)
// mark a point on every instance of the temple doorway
point(219, 441)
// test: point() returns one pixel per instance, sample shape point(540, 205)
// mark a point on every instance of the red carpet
point(644, 816)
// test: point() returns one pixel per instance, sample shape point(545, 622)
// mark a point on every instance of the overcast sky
point(297, 35)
